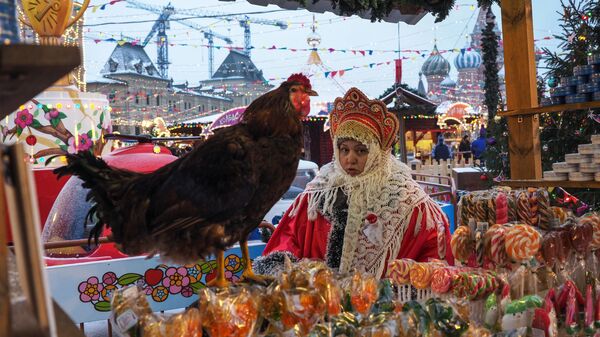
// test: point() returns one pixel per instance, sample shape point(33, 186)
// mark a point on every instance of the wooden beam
point(521, 91)
point(5, 322)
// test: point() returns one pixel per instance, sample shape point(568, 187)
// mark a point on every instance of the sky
point(189, 59)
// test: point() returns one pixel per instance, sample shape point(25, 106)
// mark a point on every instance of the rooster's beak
point(312, 93)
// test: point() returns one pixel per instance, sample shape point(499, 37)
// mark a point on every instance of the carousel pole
point(521, 92)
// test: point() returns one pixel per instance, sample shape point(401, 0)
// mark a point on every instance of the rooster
point(211, 198)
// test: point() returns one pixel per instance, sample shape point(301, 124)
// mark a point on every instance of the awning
point(407, 13)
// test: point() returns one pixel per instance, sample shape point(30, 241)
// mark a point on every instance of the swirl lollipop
point(462, 243)
point(522, 242)
point(420, 275)
point(494, 240)
point(399, 270)
point(594, 221)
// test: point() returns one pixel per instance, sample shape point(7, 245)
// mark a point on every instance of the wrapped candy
point(399, 270)
point(588, 326)
point(594, 221)
point(228, 312)
point(571, 314)
point(130, 311)
point(328, 288)
point(462, 243)
point(491, 208)
point(501, 209)
point(492, 312)
point(533, 207)
point(522, 242)
point(523, 208)
point(479, 250)
point(544, 210)
point(419, 316)
point(581, 235)
point(444, 318)
point(519, 313)
point(363, 292)
point(186, 324)
point(420, 275)
point(494, 240)
point(549, 250)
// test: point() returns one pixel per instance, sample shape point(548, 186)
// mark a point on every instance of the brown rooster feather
point(211, 198)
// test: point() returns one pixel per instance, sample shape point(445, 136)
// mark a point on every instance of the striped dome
point(436, 64)
point(448, 83)
point(468, 60)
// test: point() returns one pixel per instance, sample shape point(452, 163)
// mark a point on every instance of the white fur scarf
point(385, 189)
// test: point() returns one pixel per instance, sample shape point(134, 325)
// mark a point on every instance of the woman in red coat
point(363, 208)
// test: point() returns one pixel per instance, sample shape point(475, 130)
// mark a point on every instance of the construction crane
point(244, 21)
point(162, 43)
point(162, 51)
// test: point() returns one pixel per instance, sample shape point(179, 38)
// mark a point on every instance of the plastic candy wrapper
point(520, 313)
point(419, 316)
point(186, 324)
point(475, 331)
point(492, 312)
point(520, 332)
point(571, 325)
point(560, 197)
point(385, 301)
point(444, 319)
point(130, 312)
point(228, 312)
point(479, 250)
point(329, 289)
point(363, 292)
point(588, 322)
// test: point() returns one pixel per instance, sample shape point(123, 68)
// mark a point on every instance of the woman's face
point(353, 156)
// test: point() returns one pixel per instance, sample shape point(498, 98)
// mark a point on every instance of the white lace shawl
point(386, 189)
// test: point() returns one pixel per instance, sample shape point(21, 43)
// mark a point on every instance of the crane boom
point(244, 21)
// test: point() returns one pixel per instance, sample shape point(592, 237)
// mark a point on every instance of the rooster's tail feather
point(106, 188)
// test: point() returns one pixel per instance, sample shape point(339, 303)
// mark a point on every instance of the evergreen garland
point(381, 8)
point(561, 133)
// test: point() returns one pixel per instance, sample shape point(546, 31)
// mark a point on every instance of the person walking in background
point(465, 147)
point(441, 151)
point(478, 146)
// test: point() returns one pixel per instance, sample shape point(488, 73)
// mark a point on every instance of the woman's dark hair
point(465, 136)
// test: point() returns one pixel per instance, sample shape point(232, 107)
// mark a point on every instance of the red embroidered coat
point(308, 239)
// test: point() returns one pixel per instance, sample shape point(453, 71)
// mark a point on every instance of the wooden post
point(5, 325)
point(402, 138)
point(521, 91)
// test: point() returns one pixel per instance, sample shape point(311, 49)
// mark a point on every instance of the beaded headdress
point(356, 116)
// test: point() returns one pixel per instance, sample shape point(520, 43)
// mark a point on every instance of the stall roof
point(409, 99)
point(410, 14)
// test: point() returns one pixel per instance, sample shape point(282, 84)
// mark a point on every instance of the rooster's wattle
point(211, 198)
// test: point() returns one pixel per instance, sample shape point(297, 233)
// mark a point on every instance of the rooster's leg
point(248, 274)
point(220, 281)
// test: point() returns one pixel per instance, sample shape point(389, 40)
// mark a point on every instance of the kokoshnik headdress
point(356, 116)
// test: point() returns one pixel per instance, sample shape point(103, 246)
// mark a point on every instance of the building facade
point(469, 84)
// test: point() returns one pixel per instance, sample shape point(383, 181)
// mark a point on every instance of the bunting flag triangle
point(342, 72)
point(326, 74)
point(362, 52)
point(333, 73)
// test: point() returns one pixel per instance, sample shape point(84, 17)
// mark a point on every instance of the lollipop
point(399, 270)
point(533, 207)
point(544, 209)
point(594, 221)
point(462, 243)
point(523, 208)
point(501, 209)
point(522, 242)
point(550, 245)
point(420, 275)
point(581, 236)
point(494, 243)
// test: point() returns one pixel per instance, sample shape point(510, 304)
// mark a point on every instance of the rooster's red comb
point(300, 78)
